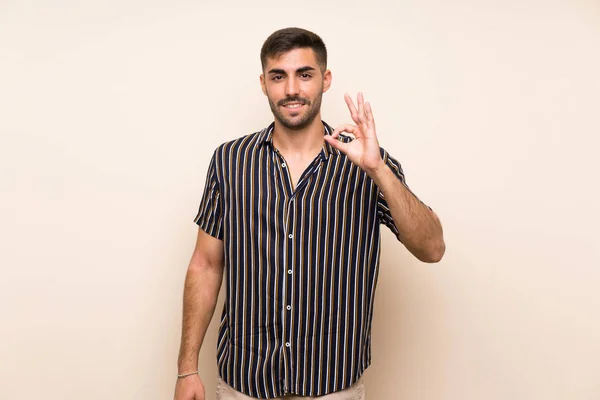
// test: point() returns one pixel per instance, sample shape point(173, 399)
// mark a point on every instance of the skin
point(200, 293)
point(419, 227)
point(296, 77)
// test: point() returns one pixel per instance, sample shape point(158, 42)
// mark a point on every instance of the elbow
point(203, 263)
point(432, 253)
point(204, 267)
point(436, 252)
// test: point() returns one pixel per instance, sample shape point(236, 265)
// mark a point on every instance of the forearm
point(201, 290)
point(419, 229)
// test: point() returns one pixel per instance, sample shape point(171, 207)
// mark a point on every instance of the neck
point(301, 142)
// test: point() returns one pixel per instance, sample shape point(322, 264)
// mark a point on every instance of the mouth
point(293, 106)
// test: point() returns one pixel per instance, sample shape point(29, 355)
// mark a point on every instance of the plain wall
point(110, 111)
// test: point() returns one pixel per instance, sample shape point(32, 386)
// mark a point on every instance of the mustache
point(289, 100)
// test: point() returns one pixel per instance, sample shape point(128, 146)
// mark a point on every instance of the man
point(292, 215)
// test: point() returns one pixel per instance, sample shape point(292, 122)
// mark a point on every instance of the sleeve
point(209, 216)
point(383, 211)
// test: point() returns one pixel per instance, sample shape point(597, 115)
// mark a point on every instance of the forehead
point(293, 59)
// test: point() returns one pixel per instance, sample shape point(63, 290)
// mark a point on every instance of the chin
point(296, 126)
point(297, 123)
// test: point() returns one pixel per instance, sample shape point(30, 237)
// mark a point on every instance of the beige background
point(110, 111)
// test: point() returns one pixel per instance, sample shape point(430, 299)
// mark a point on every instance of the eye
point(277, 77)
point(305, 76)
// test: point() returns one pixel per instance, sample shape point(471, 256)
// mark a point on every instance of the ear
point(326, 80)
point(262, 84)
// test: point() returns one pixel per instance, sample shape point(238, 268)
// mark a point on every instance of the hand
point(364, 149)
point(189, 388)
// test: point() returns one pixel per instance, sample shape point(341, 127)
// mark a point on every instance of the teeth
point(293, 105)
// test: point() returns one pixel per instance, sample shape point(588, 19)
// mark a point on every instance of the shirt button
point(289, 271)
point(289, 308)
point(287, 344)
point(291, 236)
point(283, 165)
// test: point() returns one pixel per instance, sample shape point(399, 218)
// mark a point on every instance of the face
point(294, 85)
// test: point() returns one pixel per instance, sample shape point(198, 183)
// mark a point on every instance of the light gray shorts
point(354, 392)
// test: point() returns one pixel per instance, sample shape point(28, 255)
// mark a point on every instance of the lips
point(292, 106)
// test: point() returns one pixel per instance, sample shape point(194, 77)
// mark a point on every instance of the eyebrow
point(298, 71)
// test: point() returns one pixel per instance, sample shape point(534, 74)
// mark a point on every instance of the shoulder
point(389, 159)
point(237, 147)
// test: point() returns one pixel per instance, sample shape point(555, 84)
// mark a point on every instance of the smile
point(293, 105)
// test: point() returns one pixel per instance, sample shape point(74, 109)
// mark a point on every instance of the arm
point(419, 229)
point(201, 290)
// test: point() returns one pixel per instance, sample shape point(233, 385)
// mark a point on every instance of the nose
point(291, 87)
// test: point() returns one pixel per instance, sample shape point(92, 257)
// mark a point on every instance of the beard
point(301, 121)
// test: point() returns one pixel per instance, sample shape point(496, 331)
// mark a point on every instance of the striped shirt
point(301, 266)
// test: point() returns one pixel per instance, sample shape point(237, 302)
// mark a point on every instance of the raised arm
point(419, 228)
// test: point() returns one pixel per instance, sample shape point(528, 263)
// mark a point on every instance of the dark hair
point(287, 39)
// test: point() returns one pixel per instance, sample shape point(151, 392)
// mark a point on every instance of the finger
point(352, 108)
point(344, 128)
point(361, 108)
point(336, 144)
point(369, 114)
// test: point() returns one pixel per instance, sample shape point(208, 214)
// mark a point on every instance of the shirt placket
point(290, 249)
point(290, 273)
point(287, 284)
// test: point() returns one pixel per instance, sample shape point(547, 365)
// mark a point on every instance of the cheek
point(315, 89)
point(273, 91)
point(273, 99)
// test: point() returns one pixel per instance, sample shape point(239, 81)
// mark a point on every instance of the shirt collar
point(266, 136)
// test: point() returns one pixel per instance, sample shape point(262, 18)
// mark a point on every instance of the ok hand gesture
point(364, 149)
